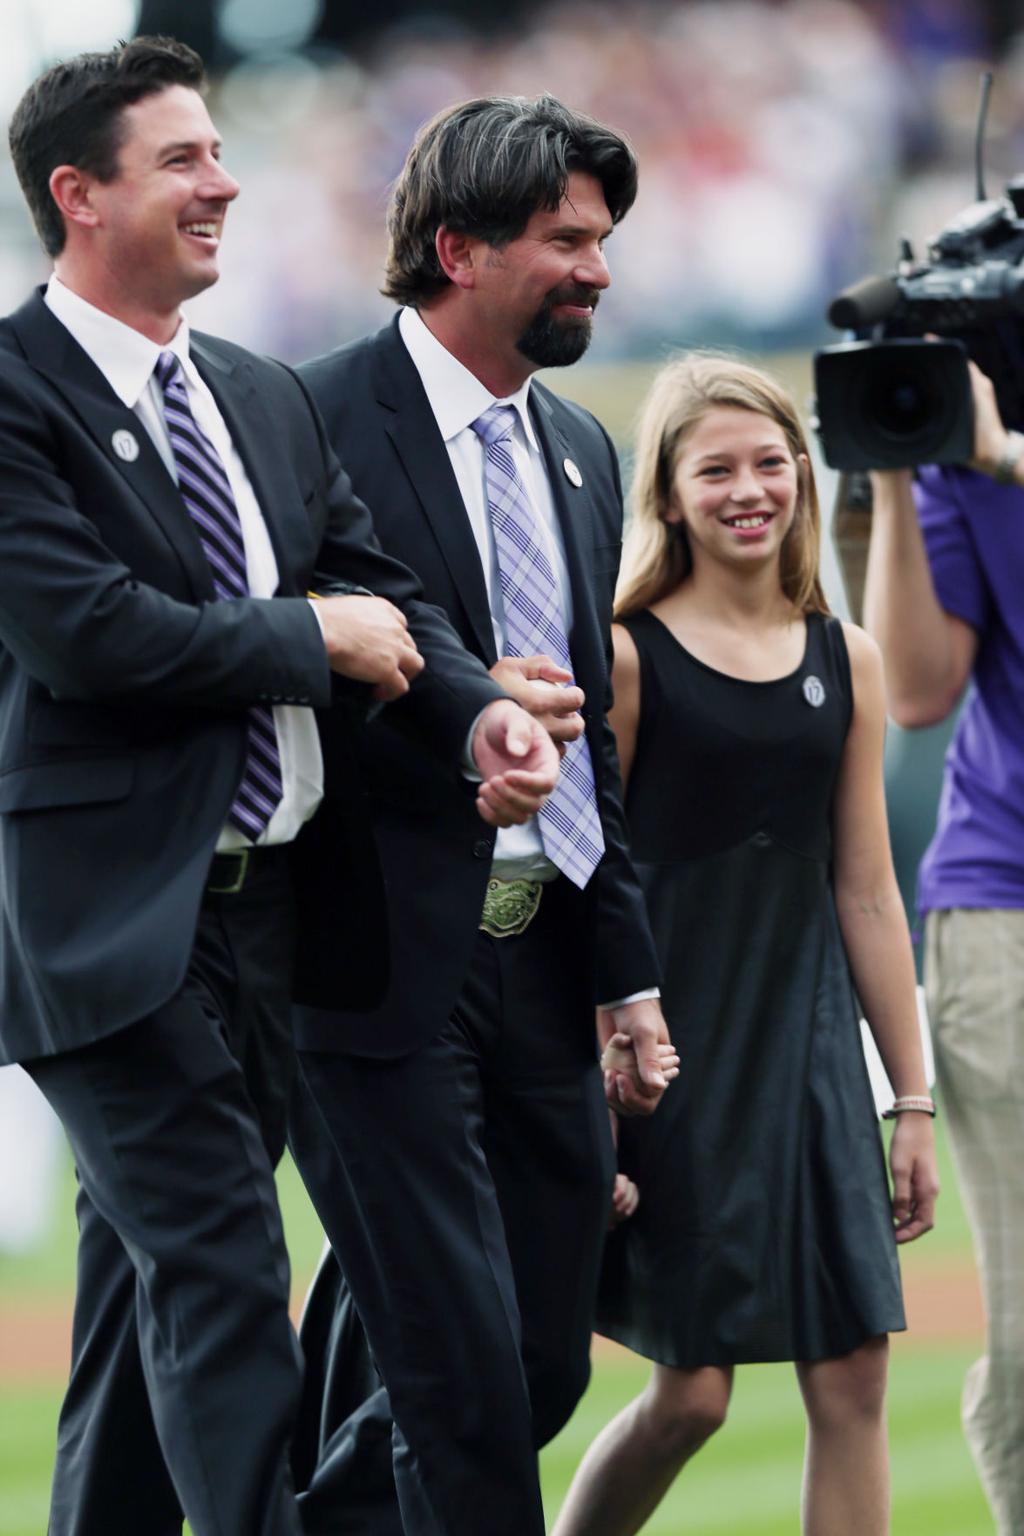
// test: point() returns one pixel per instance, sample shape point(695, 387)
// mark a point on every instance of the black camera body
point(889, 398)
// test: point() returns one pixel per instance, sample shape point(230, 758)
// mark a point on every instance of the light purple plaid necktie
point(570, 826)
point(206, 492)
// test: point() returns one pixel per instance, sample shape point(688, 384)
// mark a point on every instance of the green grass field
point(747, 1481)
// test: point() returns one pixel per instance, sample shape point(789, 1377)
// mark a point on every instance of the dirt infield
point(943, 1304)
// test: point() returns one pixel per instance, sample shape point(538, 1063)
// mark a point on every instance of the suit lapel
point(53, 352)
point(575, 513)
point(255, 436)
point(413, 430)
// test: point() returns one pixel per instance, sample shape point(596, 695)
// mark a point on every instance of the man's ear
point(71, 190)
point(458, 255)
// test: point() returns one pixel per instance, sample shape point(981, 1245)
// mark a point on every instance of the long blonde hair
point(656, 556)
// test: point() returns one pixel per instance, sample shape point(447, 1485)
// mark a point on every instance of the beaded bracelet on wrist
point(922, 1103)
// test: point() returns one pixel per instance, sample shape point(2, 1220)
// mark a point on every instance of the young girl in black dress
point(750, 728)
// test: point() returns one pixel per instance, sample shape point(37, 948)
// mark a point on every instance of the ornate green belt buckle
point(510, 906)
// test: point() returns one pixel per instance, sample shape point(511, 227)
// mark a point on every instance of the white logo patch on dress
point(814, 691)
point(125, 444)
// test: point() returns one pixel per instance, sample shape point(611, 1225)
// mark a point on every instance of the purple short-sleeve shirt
point(974, 534)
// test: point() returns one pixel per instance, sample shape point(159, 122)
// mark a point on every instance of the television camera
point(889, 398)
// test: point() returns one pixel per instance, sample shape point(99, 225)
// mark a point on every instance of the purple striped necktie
point(570, 826)
point(206, 492)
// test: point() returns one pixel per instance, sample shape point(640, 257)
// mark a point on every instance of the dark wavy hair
point(482, 168)
point(72, 115)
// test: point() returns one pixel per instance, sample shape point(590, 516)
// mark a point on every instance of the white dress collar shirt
point(457, 398)
point(126, 360)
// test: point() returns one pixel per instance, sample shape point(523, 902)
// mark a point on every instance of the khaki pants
point(974, 985)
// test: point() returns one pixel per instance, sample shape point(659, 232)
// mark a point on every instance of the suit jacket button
point(483, 848)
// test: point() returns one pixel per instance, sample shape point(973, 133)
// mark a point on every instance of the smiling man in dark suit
point(455, 1139)
point(166, 500)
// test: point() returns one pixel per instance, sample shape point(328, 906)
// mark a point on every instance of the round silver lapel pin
point(126, 445)
point(814, 691)
point(572, 473)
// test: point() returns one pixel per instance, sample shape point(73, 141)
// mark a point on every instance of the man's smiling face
point(160, 218)
point(542, 288)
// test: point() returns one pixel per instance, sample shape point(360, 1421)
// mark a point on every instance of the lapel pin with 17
point(814, 691)
point(125, 444)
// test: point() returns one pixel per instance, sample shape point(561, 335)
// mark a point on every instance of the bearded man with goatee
point(455, 1139)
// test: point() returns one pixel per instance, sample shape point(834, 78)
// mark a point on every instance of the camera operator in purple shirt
point(944, 598)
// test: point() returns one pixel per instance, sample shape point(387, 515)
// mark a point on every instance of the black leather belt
point(231, 872)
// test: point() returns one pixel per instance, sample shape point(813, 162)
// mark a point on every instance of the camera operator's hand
point(993, 444)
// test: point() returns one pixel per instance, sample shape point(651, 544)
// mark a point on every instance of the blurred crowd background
point(785, 145)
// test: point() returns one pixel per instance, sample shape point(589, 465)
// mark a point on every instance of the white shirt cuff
point(634, 997)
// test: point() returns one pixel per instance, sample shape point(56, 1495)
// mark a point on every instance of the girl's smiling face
point(735, 486)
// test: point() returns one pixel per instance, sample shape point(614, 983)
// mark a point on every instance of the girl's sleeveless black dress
point(764, 1230)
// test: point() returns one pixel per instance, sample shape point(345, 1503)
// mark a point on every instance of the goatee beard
point(551, 343)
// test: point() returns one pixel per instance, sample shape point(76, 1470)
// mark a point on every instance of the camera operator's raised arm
point(928, 653)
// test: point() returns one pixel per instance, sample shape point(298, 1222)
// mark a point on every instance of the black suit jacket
point(435, 852)
point(124, 686)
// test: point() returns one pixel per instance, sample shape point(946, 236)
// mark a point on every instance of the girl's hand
point(625, 1199)
point(619, 1056)
point(915, 1176)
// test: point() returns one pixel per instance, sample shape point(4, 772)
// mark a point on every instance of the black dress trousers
point(185, 1370)
point(464, 1188)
